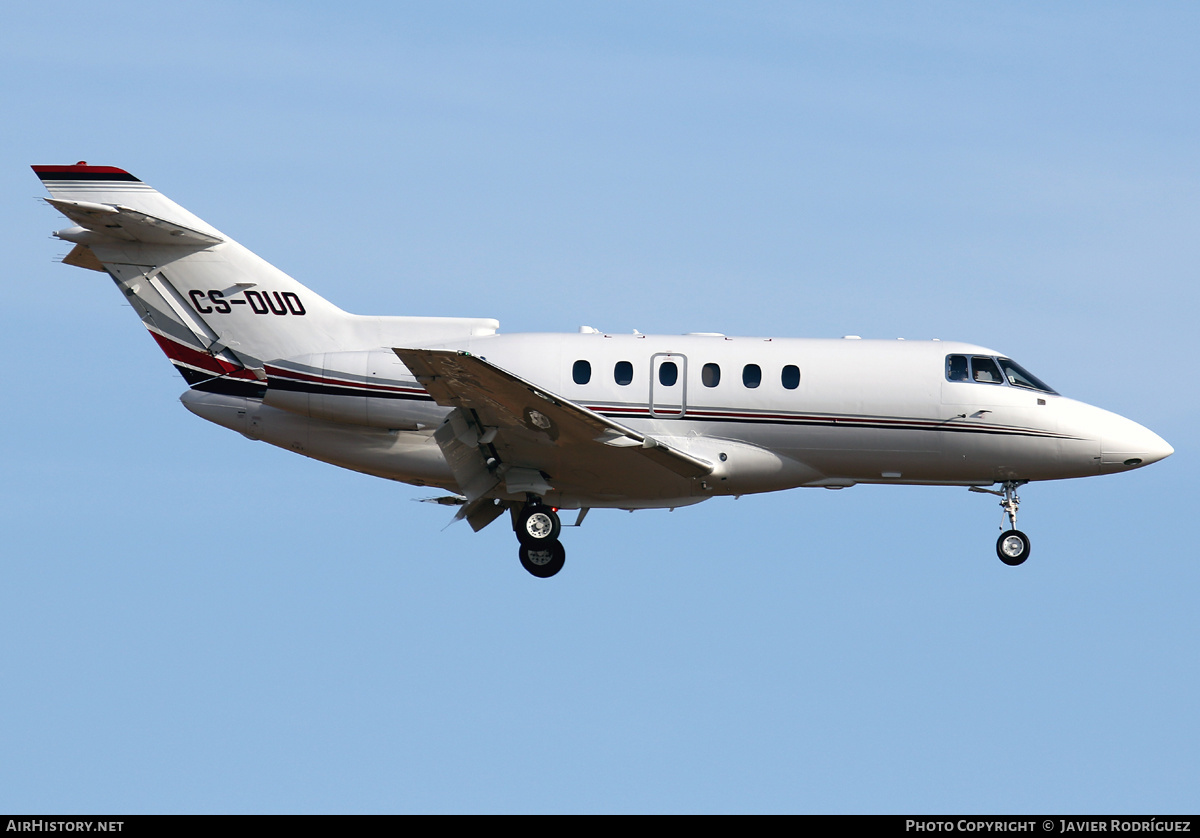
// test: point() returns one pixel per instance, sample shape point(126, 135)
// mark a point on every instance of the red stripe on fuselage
point(177, 351)
point(880, 422)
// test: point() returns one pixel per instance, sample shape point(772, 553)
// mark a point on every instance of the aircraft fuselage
point(784, 413)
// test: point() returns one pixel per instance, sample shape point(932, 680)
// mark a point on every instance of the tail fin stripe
point(83, 172)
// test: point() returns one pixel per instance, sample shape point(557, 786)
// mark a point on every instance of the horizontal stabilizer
point(114, 221)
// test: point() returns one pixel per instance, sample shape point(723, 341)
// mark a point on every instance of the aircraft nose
point(1128, 445)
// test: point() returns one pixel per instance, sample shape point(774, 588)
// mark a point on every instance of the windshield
point(985, 369)
point(1018, 376)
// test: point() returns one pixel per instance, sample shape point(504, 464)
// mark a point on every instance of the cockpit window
point(956, 368)
point(984, 370)
point(1018, 376)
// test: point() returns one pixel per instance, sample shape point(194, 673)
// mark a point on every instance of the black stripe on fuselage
point(205, 382)
point(232, 387)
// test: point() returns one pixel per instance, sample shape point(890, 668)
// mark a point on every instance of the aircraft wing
point(542, 441)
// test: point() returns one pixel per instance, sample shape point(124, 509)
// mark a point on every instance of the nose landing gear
point(537, 528)
point(1013, 545)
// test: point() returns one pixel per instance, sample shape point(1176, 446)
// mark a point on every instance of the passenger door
point(668, 385)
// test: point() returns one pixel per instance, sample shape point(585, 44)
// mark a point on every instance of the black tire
point(537, 525)
point(1012, 547)
point(544, 560)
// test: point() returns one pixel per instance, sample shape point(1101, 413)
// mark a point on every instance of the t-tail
point(218, 311)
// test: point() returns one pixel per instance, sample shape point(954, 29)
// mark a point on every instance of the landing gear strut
point(1013, 545)
point(537, 528)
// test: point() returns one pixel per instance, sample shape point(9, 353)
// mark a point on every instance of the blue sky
point(193, 622)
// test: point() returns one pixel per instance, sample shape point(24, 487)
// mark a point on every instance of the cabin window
point(790, 377)
point(582, 372)
point(668, 373)
point(710, 375)
point(752, 375)
point(956, 368)
point(985, 371)
point(623, 373)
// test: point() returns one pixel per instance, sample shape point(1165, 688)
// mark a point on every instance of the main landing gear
point(1013, 545)
point(538, 527)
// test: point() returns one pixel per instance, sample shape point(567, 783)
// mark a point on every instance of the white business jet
point(533, 423)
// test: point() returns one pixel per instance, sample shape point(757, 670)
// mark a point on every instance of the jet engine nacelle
point(370, 388)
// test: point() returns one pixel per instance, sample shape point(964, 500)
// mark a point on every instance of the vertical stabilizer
point(217, 310)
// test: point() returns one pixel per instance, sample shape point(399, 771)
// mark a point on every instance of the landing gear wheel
point(544, 560)
point(1013, 547)
point(537, 525)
